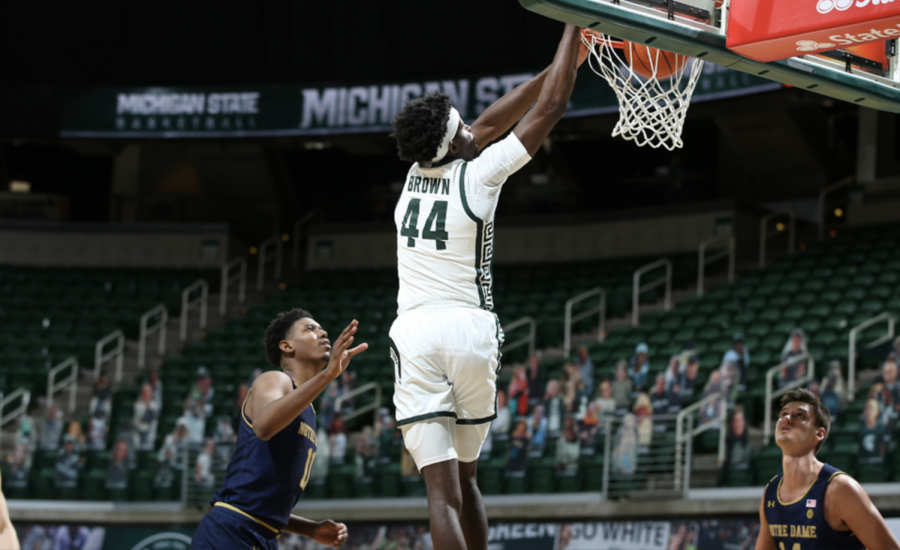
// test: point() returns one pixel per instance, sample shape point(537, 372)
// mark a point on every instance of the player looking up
point(445, 343)
point(811, 505)
point(276, 442)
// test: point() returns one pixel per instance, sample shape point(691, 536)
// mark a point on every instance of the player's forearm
point(8, 538)
point(300, 526)
point(560, 80)
point(506, 111)
point(279, 413)
point(551, 105)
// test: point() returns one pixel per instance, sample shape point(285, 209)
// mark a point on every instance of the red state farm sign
point(769, 30)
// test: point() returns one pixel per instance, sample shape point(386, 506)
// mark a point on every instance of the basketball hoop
point(653, 93)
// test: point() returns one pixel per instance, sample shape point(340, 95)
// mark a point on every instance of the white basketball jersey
point(445, 228)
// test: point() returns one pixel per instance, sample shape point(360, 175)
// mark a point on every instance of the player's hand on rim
point(341, 352)
point(585, 51)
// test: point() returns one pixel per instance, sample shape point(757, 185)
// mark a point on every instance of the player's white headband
point(452, 126)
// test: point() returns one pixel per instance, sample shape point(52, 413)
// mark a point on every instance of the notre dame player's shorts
point(222, 528)
point(446, 361)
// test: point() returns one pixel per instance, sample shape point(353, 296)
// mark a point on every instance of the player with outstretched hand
point(812, 505)
point(445, 343)
point(276, 441)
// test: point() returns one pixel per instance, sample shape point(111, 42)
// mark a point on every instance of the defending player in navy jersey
point(276, 442)
point(811, 505)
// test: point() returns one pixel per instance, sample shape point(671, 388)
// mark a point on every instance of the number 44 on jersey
point(434, 226)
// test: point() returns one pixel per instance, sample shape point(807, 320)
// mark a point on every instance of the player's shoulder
point(842, 486)
point(273, 379)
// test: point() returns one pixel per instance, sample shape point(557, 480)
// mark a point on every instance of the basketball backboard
point(699, 29)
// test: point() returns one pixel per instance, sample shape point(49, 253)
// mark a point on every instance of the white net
point(651, 109)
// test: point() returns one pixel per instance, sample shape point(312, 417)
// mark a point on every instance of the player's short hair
point(277, 332)
point(822, 416)
point(420, 126)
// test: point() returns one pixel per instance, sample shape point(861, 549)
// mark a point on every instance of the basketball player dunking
point(445, 342)
point(276, 442)
point(811, 505)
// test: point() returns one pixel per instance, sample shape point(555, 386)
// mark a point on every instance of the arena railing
point(21, 394)
point(117, 352)
point(196, 489)
point(772, 393)
point(641, 462)
point(685, 437)
point(298, 226)
point(357, 411)
point(186, 472)
point(264, 258)
point(187, 304)
point(638, 289)
point(228, 279)
point(765, 234)
point(703, 260)
point(71, 381)
point(146, 330)
point(823, 204)
point(527, 340)
point(852, 341)
point(570, 320)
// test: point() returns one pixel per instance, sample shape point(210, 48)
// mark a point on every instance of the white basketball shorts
point(446, 361)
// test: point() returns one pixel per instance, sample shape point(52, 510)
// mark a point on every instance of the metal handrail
point(18, 411)
point(638, 289)
point(601, 309)
point(118, 353)
point(375, 405)
point(530, 339)
point(851, 367)
point(71, 382)
point(607, 450)
point(607, 456)
point(227, 279)
point(295, 248)
point(274, 240)
point(185, 472)
point(765, 235)
point(833, 187)
point(682, 437)
point(689, 455)
point(148, 330)
point(703, 261)
point(187, 304)
point(770, 394)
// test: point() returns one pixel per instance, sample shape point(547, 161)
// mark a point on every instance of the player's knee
point(446, 495)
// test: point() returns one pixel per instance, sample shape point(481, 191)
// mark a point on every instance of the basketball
point(643, 58)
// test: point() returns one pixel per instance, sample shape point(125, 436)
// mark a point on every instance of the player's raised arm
point(764, 541)
point(852, 505)
point(273, 403)
point(497, 119)
point(551, 104)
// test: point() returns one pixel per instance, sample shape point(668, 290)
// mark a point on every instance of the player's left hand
point(341, 353)
point(584, 51)
point(330, 533)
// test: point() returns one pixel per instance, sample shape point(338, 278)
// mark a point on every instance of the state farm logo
point(827, 6)
point(812, 45)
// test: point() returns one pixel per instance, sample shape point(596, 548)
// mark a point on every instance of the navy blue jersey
point(801, 525)
point(266, 478)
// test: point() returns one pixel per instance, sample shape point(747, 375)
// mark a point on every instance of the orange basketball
point(643, 58)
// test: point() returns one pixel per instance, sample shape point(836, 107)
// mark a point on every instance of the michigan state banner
point(286, 110)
